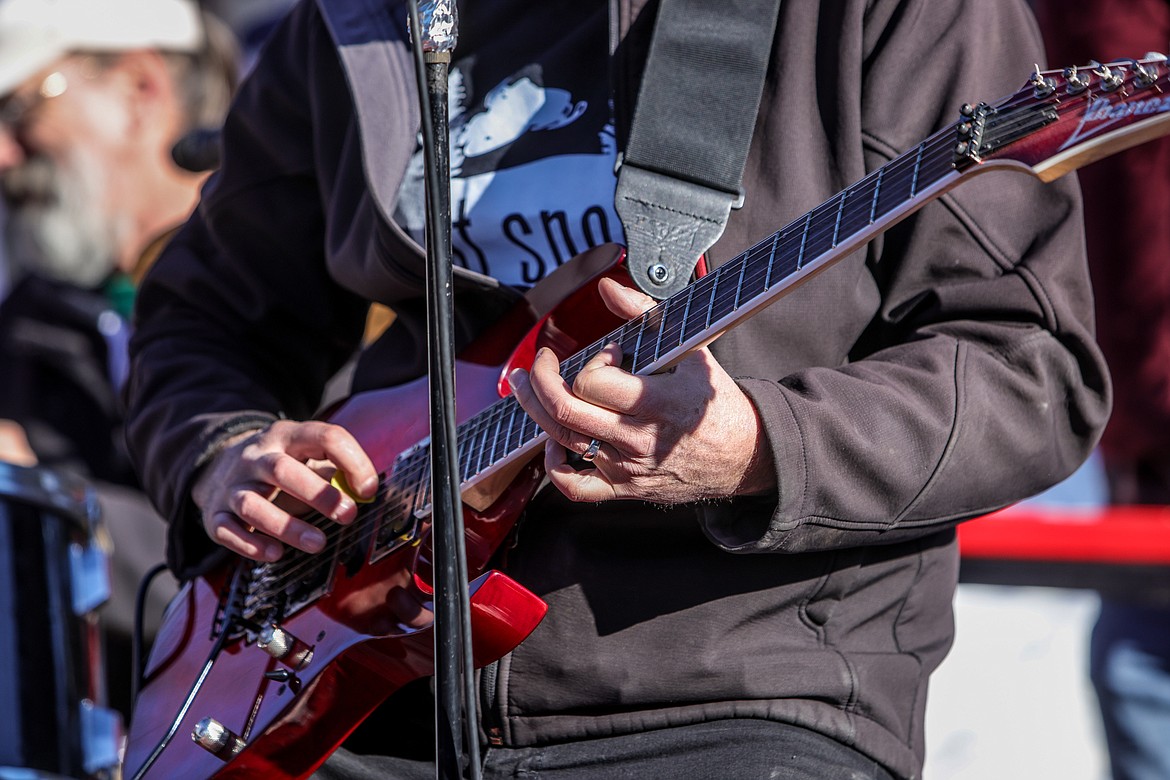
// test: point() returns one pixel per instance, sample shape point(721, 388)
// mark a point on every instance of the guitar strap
point(682, 170)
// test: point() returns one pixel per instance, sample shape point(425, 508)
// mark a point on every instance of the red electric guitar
point(262, 669)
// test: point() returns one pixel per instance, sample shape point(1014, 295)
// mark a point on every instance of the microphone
point(198, 150)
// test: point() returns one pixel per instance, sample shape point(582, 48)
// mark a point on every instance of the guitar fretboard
point(709, 305)
point(504, 432)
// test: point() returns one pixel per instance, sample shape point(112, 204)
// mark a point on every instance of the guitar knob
point(284, 647)
point(217, 739)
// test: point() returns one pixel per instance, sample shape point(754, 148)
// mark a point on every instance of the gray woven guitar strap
point(682, 170)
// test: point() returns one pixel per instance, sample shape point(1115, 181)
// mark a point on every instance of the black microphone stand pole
point(433, 28)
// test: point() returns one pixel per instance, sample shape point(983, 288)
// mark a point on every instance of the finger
point(604, 383)
point(258, 512)
point(625, 302)
point(569, 415)
point(326, 441)
point(307, 485)
point(521, 383)
point(228, 531)
point(584, 485)
point(560, 436)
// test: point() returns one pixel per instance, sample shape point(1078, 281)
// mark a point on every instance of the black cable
point(137, 641)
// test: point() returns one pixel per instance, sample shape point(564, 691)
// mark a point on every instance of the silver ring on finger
point(591, 451)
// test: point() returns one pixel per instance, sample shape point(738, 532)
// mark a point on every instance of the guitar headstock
point(1061, 120)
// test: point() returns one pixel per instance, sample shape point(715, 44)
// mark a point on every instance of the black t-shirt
point(532, 140)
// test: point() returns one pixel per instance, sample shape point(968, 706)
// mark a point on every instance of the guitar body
point(365, 629)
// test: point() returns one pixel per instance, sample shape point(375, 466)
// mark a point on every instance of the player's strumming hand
point(684, 435)
point(254, 491)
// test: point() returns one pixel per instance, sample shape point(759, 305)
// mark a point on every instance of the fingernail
point(515, 376)
point(369, 487)
point(312, 540)
point(272, 553)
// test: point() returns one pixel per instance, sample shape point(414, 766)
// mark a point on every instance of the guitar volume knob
point(284, 647)
point(217, 739)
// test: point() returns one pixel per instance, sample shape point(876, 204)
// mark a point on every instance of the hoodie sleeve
point(977, 383)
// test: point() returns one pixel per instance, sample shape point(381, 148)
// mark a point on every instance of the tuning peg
point(1145, 75)
point(1042, 86)
point(1074, 83)
point(1109, 79)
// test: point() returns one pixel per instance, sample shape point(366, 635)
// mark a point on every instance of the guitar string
point(494, 415)
point(751, 258)
point(893, 174)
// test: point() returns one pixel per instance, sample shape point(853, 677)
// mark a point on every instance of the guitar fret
point(724, 301)
point(917, 168)
point(739, 285)
point(703, 287)
point(510, 428)
point(665, 309)
point(803, 240)
point(637, 354)
point(772, 260)
point(757, 267)
point(465, 446)
point(940, 164)
point(496, 453)
point(820, 236)
point(674, 321)
point(840, 210)
point(857, 212)
point(876, 192)
point(686, 315)
point(525, 435)
point(714, 295)
point(893, 193)
point(466, 450)
point(481, 436)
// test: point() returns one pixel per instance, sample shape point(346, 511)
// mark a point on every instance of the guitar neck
point(716, 302)
point(1055, 123)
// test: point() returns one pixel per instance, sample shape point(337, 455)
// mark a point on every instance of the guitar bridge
point(273, 592)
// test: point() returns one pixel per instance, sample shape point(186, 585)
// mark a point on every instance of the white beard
point(56, 227)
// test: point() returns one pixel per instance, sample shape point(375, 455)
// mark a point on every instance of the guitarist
point(754, 577)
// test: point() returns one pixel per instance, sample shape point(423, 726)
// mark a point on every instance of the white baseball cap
point(35, 33)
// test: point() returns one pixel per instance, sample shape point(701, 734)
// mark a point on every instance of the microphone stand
point(433, 29)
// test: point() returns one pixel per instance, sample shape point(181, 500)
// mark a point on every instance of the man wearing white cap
point(93, 96)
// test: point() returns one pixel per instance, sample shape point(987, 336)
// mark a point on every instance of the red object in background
point(1108, 535)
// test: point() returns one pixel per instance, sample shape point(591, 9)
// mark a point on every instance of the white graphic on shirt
point(518, 218)
point(510, 110)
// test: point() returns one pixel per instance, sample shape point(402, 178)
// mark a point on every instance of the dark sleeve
point(238, 322)
point(978, 383)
